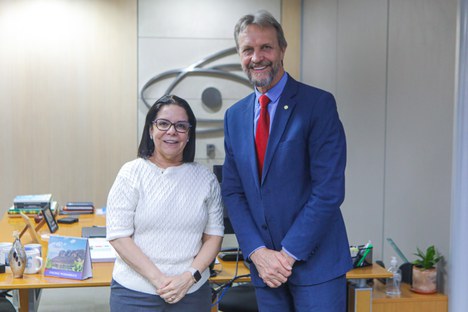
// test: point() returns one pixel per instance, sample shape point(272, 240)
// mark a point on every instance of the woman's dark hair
point(146, 148)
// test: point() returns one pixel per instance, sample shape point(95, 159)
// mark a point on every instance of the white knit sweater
point(166, 213)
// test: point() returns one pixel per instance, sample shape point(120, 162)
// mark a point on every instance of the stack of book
point(31, 205)
point(77, 208)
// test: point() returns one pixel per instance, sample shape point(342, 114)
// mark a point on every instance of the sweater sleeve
point(214, 205)
point(121, 204)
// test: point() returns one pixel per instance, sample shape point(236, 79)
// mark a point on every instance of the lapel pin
point(286, 107)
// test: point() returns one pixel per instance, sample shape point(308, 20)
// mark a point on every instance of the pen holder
point(361, 256)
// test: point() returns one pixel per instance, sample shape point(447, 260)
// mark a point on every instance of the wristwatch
point(195, 274)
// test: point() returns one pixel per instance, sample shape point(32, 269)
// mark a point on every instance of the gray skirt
point(124, 299)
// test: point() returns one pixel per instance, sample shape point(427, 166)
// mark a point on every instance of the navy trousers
point(329, 296)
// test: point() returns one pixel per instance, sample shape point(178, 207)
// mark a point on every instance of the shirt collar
point(275, 92)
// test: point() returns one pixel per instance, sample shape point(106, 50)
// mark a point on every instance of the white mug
point(32, 247)
point(5, 248)
point(33, 261)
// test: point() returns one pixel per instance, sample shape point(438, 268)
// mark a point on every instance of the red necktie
point(263, 130)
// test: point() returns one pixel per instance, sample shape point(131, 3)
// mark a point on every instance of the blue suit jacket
point(296, 205)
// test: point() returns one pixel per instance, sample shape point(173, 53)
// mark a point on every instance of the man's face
point(261, 56)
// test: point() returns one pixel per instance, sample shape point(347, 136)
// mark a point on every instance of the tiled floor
point(94, 299)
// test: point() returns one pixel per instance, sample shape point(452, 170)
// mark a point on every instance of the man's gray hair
point(262, 19)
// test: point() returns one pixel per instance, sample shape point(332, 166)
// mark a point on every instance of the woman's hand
point(160, 282)
point(176, 287)
point(138, 261)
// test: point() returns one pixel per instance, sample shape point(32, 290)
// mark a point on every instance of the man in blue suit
point(283, 195)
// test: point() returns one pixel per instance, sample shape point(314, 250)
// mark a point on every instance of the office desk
point(361, 274)
point(359, 292)
point(407, 301)
point(30, 285)
point(226, 270)
point(361, 296)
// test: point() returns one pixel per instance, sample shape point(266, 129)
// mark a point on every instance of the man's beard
point(265, 82)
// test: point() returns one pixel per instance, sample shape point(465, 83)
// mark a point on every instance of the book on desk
point(101, 250)
point(76, 208)
point(32, 201)
point(93, 231)
point(30, 210)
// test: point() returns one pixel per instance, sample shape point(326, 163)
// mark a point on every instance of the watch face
point(197, 276)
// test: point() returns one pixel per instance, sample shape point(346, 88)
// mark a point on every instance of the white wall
point(391, 66)
point(342, 54)
point(177, 34)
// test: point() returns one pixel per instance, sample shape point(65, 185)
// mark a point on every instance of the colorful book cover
point(75, 212)
point(15, 212)
point(79, 204)
point(68, 257)
point(79, 208)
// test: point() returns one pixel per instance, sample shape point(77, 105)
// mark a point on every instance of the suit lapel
point(283, 112)
point(247, 123)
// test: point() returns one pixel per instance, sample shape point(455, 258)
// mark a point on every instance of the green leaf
point(427, 260)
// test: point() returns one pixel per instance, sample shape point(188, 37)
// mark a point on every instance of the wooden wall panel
point(68, 97)
point(291, 21)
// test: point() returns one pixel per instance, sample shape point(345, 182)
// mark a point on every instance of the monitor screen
point(218, 171)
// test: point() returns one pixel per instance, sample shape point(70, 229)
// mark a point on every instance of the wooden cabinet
point(408, 301)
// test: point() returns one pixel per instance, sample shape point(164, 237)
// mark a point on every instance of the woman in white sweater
point(164, 218)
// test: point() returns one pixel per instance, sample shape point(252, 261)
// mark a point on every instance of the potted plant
point(425, 271)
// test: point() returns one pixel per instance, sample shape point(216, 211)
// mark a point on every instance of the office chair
point(5, 304)
point(240, 298)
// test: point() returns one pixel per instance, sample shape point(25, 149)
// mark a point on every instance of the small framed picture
point(50, 219)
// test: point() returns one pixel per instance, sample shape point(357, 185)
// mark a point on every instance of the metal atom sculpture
point(211, 96)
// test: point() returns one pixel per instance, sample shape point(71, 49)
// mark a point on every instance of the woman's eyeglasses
point(165, 125)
